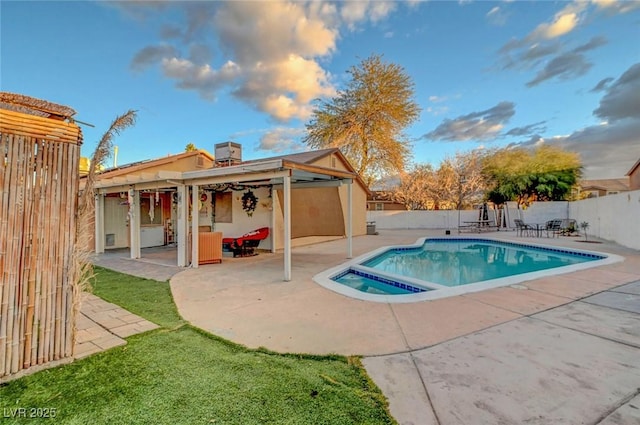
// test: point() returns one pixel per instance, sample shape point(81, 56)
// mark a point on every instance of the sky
point(486, 74)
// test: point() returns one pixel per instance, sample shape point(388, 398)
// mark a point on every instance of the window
point(379, 206)
point(150, 218)
point(223, 210)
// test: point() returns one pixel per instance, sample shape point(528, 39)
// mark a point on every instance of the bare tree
point(411, 189)
point(471, 184)
point(456, 183)
point(366, 120)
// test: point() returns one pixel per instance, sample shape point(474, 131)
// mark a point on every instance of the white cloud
point(282, 139)
point(482, 125)
point(357, 11)
point(150, 55)
point(617, 6)
point(606, 151)
point(622, 98)
point(565, 66)
point(532, 52)
point(562, 24)
point(285, 89)
point(611, 147)
point(269, 53)
point(437, 111)
point(203, 78)
point(497, 16)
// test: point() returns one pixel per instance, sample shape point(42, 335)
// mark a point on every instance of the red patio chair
point(246, 244)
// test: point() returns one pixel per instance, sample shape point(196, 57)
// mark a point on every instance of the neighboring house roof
point(149, 163)
point(303, 157)
point(619, 185)
point(380, 196)
point(635, 166)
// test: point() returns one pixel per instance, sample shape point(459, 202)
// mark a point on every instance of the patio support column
point(287, 228)
point(349, 218)
point(99, 223)
point(195, 208)
point(183, 228)
point(134, 222)
point(274, 199)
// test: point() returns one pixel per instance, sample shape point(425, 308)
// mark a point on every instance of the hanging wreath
point(249, 202)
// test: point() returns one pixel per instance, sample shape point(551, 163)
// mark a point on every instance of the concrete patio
point(563, 349)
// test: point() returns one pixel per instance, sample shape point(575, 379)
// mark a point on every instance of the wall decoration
point(249, 202)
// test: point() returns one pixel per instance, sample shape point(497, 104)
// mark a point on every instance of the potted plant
point(584, 226)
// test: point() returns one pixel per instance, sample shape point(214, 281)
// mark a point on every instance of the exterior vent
point(228, 153)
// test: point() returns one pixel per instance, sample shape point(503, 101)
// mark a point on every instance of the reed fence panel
point(39, 179)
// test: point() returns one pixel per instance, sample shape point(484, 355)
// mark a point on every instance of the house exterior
point(603, 187)
point(382, 201)
point(634, 176)
point(151, 203)
point(156, 226)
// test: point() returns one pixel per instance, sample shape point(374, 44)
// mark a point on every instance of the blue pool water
point(440, 263)
point(365, 282)
point(464, 261)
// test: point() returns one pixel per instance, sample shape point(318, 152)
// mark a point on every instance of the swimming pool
point(440, 267)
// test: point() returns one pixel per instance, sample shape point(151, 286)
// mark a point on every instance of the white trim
point(237, 170)
point(99, 224)
point(272, 231)
point(238, 178)
point(134, 223)
point(195, 203)
point(287, 228)
point(349, 218)
point(182, 226)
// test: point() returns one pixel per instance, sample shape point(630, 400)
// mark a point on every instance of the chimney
point(227, 153)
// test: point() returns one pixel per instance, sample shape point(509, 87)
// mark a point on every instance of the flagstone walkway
point(102, 325)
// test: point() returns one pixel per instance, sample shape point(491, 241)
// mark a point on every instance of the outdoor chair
point(560, 226)
point(246, 244)
point(523, 228)
point(553, 227)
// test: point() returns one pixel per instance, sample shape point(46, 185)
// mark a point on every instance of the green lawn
point(181, 375)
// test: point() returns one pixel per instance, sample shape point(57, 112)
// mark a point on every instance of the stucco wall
point(359, 216)
point(612, 217)
point(538, 212)
point(634, 180)
point(316, 212)
point(241, 222)
point(330, 207)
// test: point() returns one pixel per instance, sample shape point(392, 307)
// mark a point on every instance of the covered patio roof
point(266, 172)
point(281, 173)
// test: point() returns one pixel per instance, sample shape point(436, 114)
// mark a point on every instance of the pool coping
point(435, 291)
